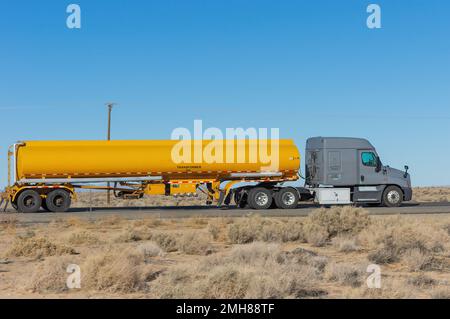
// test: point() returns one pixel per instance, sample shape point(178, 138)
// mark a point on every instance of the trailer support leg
point(6, 205)
point(225, 194)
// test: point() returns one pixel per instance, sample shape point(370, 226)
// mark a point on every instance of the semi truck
point(46, 174)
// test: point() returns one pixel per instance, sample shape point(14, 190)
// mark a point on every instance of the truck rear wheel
point(286, 198)
point(29, 201)
point(259, 198)
point(58, 200)
point(392, 196)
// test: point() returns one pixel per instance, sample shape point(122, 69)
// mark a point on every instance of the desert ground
point(323, 255)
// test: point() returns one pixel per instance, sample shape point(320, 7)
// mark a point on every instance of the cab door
point(367, 172)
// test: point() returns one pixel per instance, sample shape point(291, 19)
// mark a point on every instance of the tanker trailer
point(45, 174)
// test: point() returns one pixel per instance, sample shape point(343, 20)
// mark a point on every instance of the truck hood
point(396, 176)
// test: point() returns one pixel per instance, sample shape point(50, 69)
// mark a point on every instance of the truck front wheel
point(29, 201)
point(58, 201)
point(392, 196)
point(259, 198)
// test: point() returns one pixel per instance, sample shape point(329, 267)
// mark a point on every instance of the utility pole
point(108, 137)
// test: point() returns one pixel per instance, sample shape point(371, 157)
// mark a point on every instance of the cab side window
point(369, 159)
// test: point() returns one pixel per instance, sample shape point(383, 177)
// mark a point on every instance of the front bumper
point(407, 194)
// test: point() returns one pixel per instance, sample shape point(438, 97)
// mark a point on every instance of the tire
point(58, 200)
point(29, 201)
point(287, 198)
point(260, 198)
point(392, 196)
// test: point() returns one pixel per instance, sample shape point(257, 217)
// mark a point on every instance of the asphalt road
point(206, 211)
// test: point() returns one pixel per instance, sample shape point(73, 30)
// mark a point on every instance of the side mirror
point(406, 171)
point(378, 167)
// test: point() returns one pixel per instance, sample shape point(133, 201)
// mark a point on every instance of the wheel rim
point(58, 201)
point(261, 199)
point(393, 197)
point(288, 198)
point(29, 201)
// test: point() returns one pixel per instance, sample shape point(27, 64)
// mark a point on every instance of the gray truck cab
point(349, 170)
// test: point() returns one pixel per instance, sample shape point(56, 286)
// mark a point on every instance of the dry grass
point(195, 243)
point(50, 275)
point(8, 221)
point(79, 238)
point(345, 243)
point(324, 224)
point(256, 228)
point(131, 235)
point(392, 239)
point(248, 257)
point(346, 274)
point(441, 293)
point(422, 281)
point(431, 194)
point(114, 270)
point(150, 249)
point(37, 247)
point(249, 271)
point(168, 241)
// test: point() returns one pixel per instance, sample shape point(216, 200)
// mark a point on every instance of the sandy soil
point(322, 256)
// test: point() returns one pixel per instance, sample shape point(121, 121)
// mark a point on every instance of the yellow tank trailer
point(46, 173)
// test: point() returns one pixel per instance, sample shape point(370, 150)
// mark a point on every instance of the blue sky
point(308, 67)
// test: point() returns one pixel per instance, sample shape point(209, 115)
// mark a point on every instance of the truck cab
point(349, 170)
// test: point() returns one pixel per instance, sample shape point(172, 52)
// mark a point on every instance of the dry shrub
point(346, 274)
point(391, 238)
point(8, 221)
point(37, 247)
point(345, 243)
point(303, 256)
point(441, 292)
point(83, 238)
point(73, 222)
point(27, 233)
point(114, 270)
point(394, 288)
point(167, 241)
point(256, 270)
point(279, 231)
point(418, 260)
point(197, 221)
point(431, 194)
point(244, 230)
point(195, 243)
point(217, 228)
point(421, 281)
point(316, 235)
point(256, 228)
point(150, 249)
point(50, 275)
point(130, 235)
point(446, 227)
point(148, 222)
point(335, 221)
point(113, 220)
